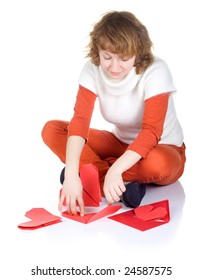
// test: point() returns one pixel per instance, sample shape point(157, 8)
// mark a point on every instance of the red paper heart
point(39, 217)
point(91, 187)
point(148, 212)
point(130, 218)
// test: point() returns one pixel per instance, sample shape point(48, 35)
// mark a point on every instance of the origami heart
point(146, 216)
point(91, 187)
point(148, 212)
point(39, 217)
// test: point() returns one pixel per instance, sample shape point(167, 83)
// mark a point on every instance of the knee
point(160, 167)
point(46, 131)
point(49, 131)
point(163, 167)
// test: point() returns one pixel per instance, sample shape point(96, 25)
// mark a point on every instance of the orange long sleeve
point(79, 124)
point(152, 124)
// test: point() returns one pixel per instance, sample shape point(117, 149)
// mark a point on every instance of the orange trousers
point(163, 165)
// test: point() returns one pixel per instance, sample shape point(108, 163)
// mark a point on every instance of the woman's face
point(114, 65)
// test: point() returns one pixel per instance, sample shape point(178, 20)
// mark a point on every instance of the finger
point(68, 204)
point(114, 195)
point(118, 191)
point(72, 205)
point(122, 187)
point(81, 205)
point(109, 197)
point(60, 204)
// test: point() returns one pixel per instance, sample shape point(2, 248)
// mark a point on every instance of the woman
point(135, 93)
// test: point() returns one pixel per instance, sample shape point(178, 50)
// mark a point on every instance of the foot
point(133, 195)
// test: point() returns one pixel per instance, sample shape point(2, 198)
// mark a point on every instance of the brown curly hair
point(121, 33)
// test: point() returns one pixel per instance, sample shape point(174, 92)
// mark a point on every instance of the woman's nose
point(115, 65)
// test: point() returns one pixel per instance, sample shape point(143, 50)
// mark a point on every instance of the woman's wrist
point(126, 161)
point(72, 169)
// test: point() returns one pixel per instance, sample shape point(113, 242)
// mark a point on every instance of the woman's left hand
point(113, 186)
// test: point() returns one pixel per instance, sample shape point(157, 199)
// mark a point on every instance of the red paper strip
point(91, 217)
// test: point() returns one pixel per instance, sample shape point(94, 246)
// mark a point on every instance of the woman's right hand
point(72, 193)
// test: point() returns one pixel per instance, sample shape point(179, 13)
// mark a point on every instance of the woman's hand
point(113, 183)
point(113, 186)
point(72, 193)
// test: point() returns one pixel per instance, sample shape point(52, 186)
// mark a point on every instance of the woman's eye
point(125, 58)
point(107, 58)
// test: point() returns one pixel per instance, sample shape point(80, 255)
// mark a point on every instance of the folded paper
point(91, 186)
point(149, 212)
point(146, 216)
point(91, 217)
point(39, 217)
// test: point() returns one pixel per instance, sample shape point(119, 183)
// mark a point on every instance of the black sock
point(62, 176)
point(133, 195)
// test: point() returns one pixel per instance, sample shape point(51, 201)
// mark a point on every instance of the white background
point(42, 50)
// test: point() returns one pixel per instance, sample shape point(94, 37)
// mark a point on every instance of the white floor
point(37, 61)
point(103, 243)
